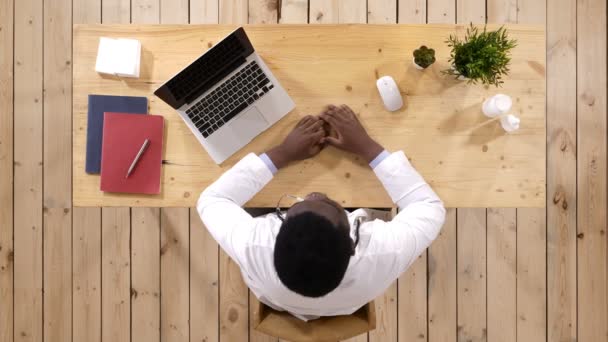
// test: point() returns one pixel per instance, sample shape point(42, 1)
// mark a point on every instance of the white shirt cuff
point(379, 159)
point(266, 159)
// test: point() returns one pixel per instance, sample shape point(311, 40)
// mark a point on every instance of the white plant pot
point(416, 65)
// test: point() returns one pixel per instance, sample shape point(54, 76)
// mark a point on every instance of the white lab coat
point(385, 249)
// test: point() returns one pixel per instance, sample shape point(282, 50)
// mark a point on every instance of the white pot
point(496, 105)
point(416, 65)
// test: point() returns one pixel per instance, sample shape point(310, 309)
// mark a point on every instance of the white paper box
point(120, 57)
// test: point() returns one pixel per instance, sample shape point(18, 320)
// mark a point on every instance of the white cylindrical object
point(496, 105)
point(416, 65)
point(510, 123)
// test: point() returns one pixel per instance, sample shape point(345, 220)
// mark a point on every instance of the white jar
point(497, 105)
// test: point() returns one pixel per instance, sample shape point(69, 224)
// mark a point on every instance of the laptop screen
point(207, 70)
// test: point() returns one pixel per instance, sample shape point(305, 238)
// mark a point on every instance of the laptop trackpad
point(248, 125)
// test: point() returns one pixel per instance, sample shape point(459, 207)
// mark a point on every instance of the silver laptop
point(227, 96)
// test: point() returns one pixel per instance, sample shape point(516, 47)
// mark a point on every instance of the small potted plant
point(423, 57)
point(481, 56)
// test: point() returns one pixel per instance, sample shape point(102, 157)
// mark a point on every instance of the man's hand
point(303, 142)
point(351, 136)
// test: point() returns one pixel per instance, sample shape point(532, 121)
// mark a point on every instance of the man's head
point(313, 246)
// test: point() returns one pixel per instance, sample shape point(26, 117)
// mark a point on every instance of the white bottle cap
point(510, 122)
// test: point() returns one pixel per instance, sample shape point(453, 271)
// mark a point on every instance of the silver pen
point(138, 156)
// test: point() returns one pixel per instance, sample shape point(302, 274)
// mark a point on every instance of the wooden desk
point(467, 159)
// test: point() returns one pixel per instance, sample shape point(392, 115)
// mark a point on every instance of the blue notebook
point(99, 104)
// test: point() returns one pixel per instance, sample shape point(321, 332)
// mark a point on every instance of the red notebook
point(123, 136)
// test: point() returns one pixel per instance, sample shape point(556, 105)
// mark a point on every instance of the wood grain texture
point(531, 275)
point(501, 267)
point(338, 11)
point(382, 11)
point(254, 335)
point(57, 180)
point(28, 176)
point(561, 170)
point(234, 302)
point(591, 165)
point(145, 274)
point(233, 11)
point(412, 304)
point(86, 236)
point(263, 11)
point(204, 282)
point(204, 11)
point(470, 11)
point(460, 145)
point(503, 11)
point(442, 282)
point(441, 11)
point(115, 275)
point(86, 288)
point(386, 316)
point(412, 11)
point(6, 169)
point(293, 12)
point(115, 11)
point(86, 11)
point(174, 11)
point(174, 274)
point(145, 11)
point(471, 256)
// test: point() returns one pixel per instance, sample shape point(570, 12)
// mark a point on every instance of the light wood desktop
point(467, 158)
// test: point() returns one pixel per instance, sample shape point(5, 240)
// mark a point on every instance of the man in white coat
point(316, 259)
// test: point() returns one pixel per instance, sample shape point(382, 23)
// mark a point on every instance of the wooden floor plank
point(174, 274)
point(386, 316)
point(531, 275)
point(442, 283)
point(115, 275)
point(441, 11)
point(204, 282)
point(561, 170)
point(412, 304)
point(381, 11)
point(6, 170)
point(204, 11)
point(591, 165)
point(471, 282)
point(338, 11)
point(234, 302)
point(502, 11)
point(233, 11)
point(28, 190)
point(470, 11)
point(86, 235)
point(116, 11)
point(502, 274)
point(145, 274)
point(86, 288)
point(145, 11)
point(412, 11)
point(263, 11)
point(294, 12)
point(57, 171)
point(531, 235)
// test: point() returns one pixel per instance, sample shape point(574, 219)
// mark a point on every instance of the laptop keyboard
point(226, 101)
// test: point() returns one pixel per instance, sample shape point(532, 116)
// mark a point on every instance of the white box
point(120, 57)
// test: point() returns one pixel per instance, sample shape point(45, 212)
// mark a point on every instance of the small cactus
point(424, 57)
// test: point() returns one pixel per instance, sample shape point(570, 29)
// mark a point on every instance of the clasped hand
point(336, 126)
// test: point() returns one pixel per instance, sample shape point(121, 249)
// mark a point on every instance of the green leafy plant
point(481, 56)
point(424, 57)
